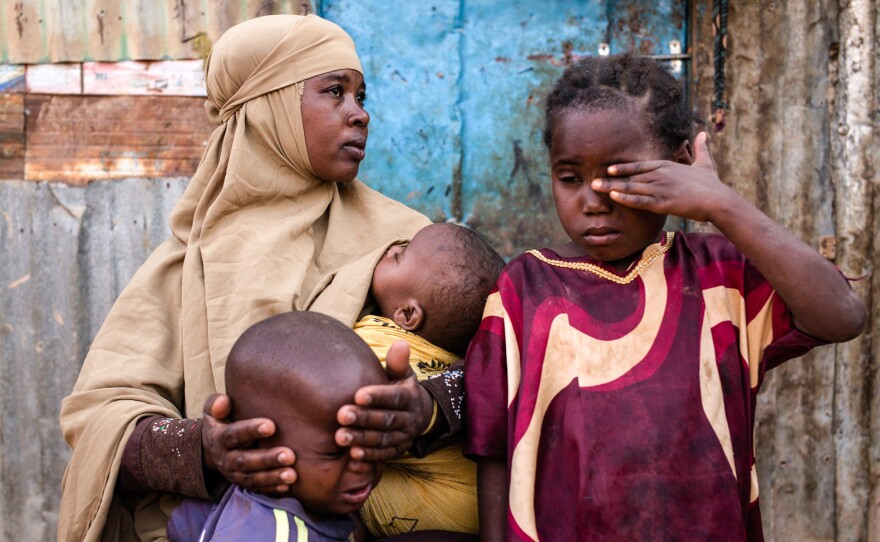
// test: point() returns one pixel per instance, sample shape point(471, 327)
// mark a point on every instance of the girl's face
point(583, 144)
point(335, 124)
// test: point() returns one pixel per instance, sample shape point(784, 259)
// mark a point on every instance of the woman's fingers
point(217, 406)
point(370, 445)
point(397, 361)
point(265, 481)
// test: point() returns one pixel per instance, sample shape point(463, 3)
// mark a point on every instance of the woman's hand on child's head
point(385, 419)
point(228, 448)
point(666, 187)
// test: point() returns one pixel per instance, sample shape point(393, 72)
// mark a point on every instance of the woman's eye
point(362, 97)
point(567, 179)
point(335, 91)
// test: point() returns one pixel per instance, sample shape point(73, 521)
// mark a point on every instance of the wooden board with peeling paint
point(78, 139)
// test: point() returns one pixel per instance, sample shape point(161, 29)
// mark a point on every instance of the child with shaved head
point(296, 368)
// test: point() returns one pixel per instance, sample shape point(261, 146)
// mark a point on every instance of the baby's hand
point(665, 187)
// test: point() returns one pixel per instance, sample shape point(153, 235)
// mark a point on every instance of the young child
point(612, 385)
point(431, 294)
point(297, 368)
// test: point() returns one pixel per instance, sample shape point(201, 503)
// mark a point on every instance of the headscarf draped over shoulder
point(256, 233)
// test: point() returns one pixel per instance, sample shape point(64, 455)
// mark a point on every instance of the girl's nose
point(594, 202)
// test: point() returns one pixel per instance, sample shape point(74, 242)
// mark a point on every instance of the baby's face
point(404, 269)
point(329, 482)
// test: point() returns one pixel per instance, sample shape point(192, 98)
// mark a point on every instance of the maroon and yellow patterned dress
point(624, 404)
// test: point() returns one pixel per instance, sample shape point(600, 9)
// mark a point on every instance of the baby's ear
point(410, 316)
point(684, 154)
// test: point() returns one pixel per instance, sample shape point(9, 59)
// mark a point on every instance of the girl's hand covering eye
point(664, 187)
point(385, 419)
point(228, 448)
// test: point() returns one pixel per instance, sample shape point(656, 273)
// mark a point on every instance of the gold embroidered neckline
point(609, 275)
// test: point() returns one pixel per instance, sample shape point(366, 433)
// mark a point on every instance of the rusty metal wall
point(37, 31)
point(800, 141)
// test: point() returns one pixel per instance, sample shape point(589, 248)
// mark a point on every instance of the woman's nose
point(358, 116)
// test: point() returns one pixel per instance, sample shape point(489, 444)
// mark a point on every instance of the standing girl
point(615, 376)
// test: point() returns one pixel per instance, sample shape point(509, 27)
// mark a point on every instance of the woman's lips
point(356, 148)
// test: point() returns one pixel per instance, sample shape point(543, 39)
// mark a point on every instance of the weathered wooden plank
point(165, 78)
point(812, 430)
point(853, 140)
point(54, 78)
point(78, 139)
point(11, 136)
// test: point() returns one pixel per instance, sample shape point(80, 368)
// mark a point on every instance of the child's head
point(297, 369)
point(607, 110)
point(436, 286)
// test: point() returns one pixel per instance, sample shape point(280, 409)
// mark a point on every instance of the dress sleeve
point(486, 383)
point(165, 454)
point(738, 297)
point(447, 390)
point(770, 333)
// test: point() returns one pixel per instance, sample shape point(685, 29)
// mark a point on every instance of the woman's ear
point(410, 315)
point(684, 154)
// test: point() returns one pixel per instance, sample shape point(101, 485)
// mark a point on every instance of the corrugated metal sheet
point(67, 252)
point(39, 31)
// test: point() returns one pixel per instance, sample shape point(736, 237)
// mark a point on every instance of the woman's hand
point(228, 449)
point(385, 419)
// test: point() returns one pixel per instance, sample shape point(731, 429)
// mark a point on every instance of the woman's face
point(335, 124)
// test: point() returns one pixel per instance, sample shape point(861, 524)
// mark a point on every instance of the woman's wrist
point(433, 420)
point(428, 413)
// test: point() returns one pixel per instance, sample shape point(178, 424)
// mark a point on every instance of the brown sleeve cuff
point(447, 389)
point(165, 454)
point(130, 476)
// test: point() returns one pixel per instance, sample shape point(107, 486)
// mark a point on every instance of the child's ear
point(684, 154)
point(410, 316)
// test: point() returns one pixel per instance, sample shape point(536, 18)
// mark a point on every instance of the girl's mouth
point(600, 236)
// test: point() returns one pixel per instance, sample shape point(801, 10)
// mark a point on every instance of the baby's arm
point(492, 491)
point(819, 298)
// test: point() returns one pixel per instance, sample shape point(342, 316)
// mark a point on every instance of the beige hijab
point(256, 233)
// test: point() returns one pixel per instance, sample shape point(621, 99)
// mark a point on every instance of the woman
point(273, 220)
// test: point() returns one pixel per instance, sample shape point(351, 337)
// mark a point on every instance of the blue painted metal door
point(455, 91)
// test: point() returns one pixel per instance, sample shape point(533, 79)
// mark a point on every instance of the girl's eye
point(335, 91)
point(568, 179)
point(361, 97)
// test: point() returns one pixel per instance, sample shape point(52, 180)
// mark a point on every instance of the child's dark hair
point(617, 82)
point(456, 300)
